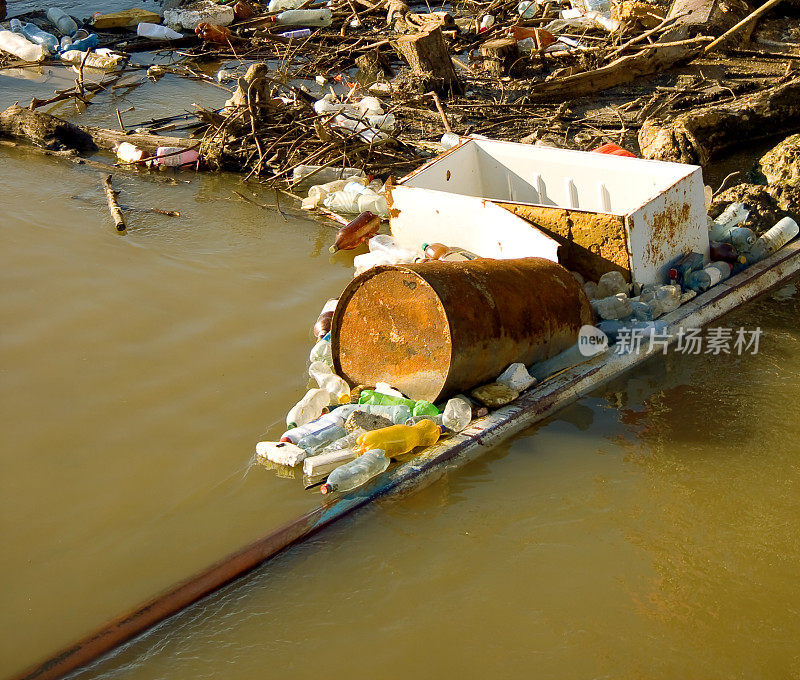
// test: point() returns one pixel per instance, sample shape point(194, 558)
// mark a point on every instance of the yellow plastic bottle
point(399, 439)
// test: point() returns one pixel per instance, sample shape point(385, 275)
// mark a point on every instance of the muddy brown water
point(649, 530)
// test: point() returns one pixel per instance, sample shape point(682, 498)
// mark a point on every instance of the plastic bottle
point(725, 252)
point(323, 325)
point(611, 283)
point(322, 351)
point(243, 10)
point(740, 238)
point(100, 60)
point(370, 106)
point(62, 21)
point(347, 441)
point(305, 17)
point(397, 413)
point(336, 416)
point(457, 414)
point(731, 217)
point(527, 9)
point(354, 233)
point(355, 473)
point(308, 408)
point(424, 408)
point(36, 35)
point(685, 265)
point(175, 156)
point(399, 439)
point(86, 43)
point(612, 307)
point(439, 251)
point(312, 443)
point(21, 47)
point(385, 244)
point(212, 33)
point(319, 175)
point(703, 279)
point(369, 201)
point(157, 31)
point(487, 21)
point(329, 381)
point(413, 420)
point(773, 240)
point(379, 398)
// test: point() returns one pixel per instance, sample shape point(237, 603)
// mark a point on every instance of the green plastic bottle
point(424, 408)
point(379, 398)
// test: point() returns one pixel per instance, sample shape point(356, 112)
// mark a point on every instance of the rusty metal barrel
point(433, 329)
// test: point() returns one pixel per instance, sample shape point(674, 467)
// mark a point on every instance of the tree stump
point(373, 66)
point(428, 57)
point(497, 56)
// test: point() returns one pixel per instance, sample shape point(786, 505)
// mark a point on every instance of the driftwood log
point(113, 206)
point(428, 57)
point(698, 135)
point(44, 130)
point(625, 69)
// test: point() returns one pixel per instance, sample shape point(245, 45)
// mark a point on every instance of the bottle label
point(714, 275)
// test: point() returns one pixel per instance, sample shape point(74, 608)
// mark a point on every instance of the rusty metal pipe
point(433, 329)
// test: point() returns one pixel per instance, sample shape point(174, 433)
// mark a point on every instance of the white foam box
point(592, 212)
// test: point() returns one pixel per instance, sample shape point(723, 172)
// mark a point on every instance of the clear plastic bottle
point(322, 351)
point(308, 408)
point(385, 244)
point(612, 307)
point(397, 413)
point(703, 279)
point(413, 420)
point(370, 106)
point(312, 443)
point(335, 417)
point(342, 201)
point(357, 472)
point(731, 217)
point(62, 21)
point(399, 439)
point(773, 240)
point(320, 175)
point(527, 9)
point(662, 300)
point(329, 381)
point(348, 441)
point(322, 464)
point(100, 60)
point(305, 17)
point(36, 35)
point(611, 283)
point(156, 31)
point(21, 47)
point(457, 414)
point(370, 201)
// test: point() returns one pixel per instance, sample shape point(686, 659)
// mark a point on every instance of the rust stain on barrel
point(435, 328)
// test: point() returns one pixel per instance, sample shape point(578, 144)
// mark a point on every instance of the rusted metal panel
point(592, 243)
point(423, 468)
point(435, 328)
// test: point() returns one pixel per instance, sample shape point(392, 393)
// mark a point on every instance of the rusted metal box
point(592, 212)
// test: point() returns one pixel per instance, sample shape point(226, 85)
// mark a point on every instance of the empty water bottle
point(703, 279)
point(86, 43)
point(612, 307)
point(347, 441)
point(21, 47)
point(323, 324)
point(157, 31)
point(685, 265)
point(457, 414)
point(305, 17)
point(337, 416)
point(280, 5)
point(312, 443)
point(356, 232)
point(773, 240)
point(413, 420)
point(611, 283)
point(322, 351)
point(62, 21)
point(355, 473)
point(36, 35)
point(731, 217)
point(338, 389)
point(308, 408)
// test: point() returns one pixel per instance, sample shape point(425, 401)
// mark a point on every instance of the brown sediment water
point(649, 530)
